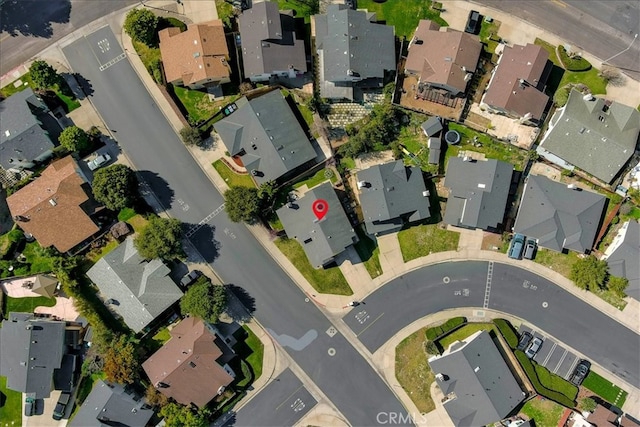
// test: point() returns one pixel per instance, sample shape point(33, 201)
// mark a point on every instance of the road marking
point(572, 367)
point(362, 316)
point(332, 331)
point(193, 230)
point(112, 62)
point(559, 3)
point(5, 37)
point(487, 290)
point(289, 397)
point(369, 325)
point(331, 351)
point(555, 344)
point(564, 355)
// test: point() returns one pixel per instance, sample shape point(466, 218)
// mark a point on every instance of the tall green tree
point(74, 139)
point(191, 136)
point(161, 238)
point(176, 415)
point(589, 273)
point(142, 25)
point(121, 364)
point(115, 186)
point(242, 203)
point(204, 300)
point(43, 75)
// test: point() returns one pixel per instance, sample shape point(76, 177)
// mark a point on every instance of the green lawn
point(256, 357)
point(86, 384)
point(369, 253)
point(605, 389)
point(318, 178)
point(148, 55)
point(404, 15)
point(422, 240)
point(69, 101)
point(11, 410)
point(327, 281)
point(196, 103)
point(348, 162)
point(27, 304)
point(95, 255)
point(41, 259)
point(10, 89)
point(303, 8)
point(138, 222)
point(489, 34)
point(464, 332)
point(413, 371)
point(306, 114)
point(126, 214)
point(545, 412)
point(415, 143)
point(232, 178)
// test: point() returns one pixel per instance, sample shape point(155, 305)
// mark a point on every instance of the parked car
point(99, 161)
point(473, 23)
point(533, 348)
point(529, 249)
point(189, 278)
point(61, 406)
point(525, 339)
point(581, 372)
point(29, 406)
point(515, 249)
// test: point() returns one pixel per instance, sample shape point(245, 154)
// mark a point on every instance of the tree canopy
point(161, 238)
point(141, 25)
point(618, 285)
point(176, 415)
point(74, 139)
point(242, 203)
point(115, 186)
point(191, 136)
point(121, 364)
point(589, 273)
point(204, 300)
point(43, 75)
point(379, 129)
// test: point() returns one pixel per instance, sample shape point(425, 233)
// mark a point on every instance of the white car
point(99, 161)
point(533, 348)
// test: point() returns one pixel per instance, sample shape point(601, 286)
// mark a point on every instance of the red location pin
point(320, 208)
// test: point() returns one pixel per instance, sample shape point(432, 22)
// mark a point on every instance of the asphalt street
point(333, 364)
point(512, 290)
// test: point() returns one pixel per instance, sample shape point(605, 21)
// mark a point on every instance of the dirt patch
point(409, 99)
point(491, 242)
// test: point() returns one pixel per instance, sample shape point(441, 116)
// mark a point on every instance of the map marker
point(320, 208)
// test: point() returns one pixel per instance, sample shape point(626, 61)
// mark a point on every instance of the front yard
point(605, 389)
point(413, 372)
point(369, 253)
point(319, 177)
point(230, 177)
point(423, 240)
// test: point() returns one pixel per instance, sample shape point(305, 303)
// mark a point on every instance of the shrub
point(588, 404)
point(431, 347)
point(141, 25)
point(577, 63)
point(437, 332)
point(532, 374)
point(507, 331)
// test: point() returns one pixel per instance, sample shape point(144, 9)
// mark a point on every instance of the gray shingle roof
point(141, 290)
point(475, 372)
point(109, 405)
point(268, 124)
point(30, 352)
point(321, 240)
point(269, 42)
point(596, 135)
point(557, 216)
point(478, 192)
point(22, 137)
point(435, 149)
point(432, 127)
point(392, 195)
point(623, 260)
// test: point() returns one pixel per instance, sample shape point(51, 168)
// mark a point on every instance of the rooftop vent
point(52, 202)
point(481, 185)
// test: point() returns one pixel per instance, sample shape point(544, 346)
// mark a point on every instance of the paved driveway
point(552, 355)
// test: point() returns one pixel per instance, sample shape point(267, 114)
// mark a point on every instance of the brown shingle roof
point(198, 54)
point(439, 56)
point(505, 91)
point(187, 365)
point(52, 206)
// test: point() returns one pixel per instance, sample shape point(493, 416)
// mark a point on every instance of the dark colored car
point(61, 406)
point(529, 249)
point(190, 278)
point(581, 372)
point(473, 23)
point(525, 339)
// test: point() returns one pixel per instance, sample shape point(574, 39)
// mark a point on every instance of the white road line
point(113, 62)
point(206, 219)
point(576, 360)
point(487, 290)
point(546, 359)
point(564, 355)
point(369, 325)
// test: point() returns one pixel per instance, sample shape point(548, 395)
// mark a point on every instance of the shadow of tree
point(247, 302)
point(152, 184)
point(84, 84)
point(31, 18)
point(203, 239)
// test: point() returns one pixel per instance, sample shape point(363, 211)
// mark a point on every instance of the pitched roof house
point(516, 88)
point(443, 58)
point(432, 129)
point(266, 136)
point(197, 56)
point(593, 134)
point(477, 384)
point(108, 405)
point(192, 366)
point(321, 240)
point(56, 208)
point(478, 192)
point(24, 134)
point(557, 216)
point(136, 289)
point(392, 194)
point(31, 352)
point(353, 51)
point(270, 45)
point(623, 254)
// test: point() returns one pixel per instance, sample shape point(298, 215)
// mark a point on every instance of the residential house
point(442, 58)
point(25, 126)
point(558, 216)
point(516, 88)
point(432, 129)
point(197, 57)
point(623, 255)
point(266, 136)
point(478, 386)
point(592, 134)
point(112, 405)
point(136, 289)
point(56, 208)
point(270, 44)
point(478, 192)
point(192, 367)
point(31, 353)
point(353, 51)
point(321, 239)
point(392, 194)
point(603, 417)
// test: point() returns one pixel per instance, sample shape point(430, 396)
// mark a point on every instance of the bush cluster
point(573, 64)
point(547, 384)
point(507, 331)
point(437, 332)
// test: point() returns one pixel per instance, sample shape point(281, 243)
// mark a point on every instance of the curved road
point(511, 290)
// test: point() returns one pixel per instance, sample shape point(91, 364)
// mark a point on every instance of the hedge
point(438, 331)
point(573, 64)
point(507, 331)
point(557, 394)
